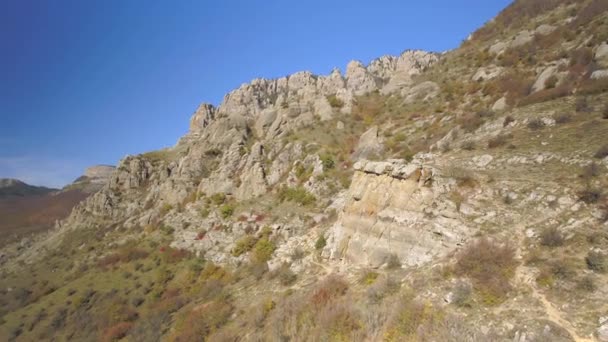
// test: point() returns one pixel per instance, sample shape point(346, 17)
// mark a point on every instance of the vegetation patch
point(490, 266)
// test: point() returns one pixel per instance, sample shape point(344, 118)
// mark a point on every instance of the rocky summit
point(455, 196)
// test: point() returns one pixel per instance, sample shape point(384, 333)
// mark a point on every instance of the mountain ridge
point(444, 197)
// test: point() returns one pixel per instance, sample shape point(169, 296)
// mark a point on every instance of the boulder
point(539, 84)
point(500, 104)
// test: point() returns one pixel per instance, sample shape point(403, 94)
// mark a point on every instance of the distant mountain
point(15, 188)
point(26, 209)
point(94, 178)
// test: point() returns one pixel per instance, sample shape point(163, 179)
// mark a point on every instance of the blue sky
point(88, 82)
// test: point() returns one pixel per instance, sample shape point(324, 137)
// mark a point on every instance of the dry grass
point(490, 266)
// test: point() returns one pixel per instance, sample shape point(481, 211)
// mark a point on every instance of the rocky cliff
point(454, 196)
point(397, 212)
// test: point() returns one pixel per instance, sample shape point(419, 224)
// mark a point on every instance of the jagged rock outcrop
point(396, 208)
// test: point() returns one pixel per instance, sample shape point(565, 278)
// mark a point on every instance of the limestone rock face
point(202, 117)
point(601, 53)
point(395, 208)
point(487, 73)
point(500, 104)
point(539, 84)
point(597, 74)
point(369, 144)
point(99, 173)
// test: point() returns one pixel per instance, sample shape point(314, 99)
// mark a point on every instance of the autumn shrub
point(499, 140)
point(581, 105)
point(329, 289)
point(490, 266)
point(123, 255)
point(116, 332)
point(593, 86)
point(593, 9)
point(471, 122)
point(551, 237)
point(546, 95)
point(507, 121)
point(463, 177)
point(173, 255)
point(597, 261)
point(581, 56)
point(551, 82)
point(203, 320)
point(605, 111)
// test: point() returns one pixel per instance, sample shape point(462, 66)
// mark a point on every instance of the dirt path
point(525, 276)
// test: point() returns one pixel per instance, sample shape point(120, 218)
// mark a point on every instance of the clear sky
point(88, 82)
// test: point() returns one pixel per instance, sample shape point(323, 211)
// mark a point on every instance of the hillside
point(455, 196)
point(27, 210)
point(15, 188)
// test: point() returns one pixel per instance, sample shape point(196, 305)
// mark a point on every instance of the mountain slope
point(441, 197)
point(15, 188)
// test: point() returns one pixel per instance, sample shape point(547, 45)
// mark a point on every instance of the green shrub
point(334, 101)
point(536, 124)
point(263, 250)
point(165, 209)
point(369, 277)
point(328, 162)
point(244, 245)
point(321, 242)
point(227, 210)
point(204, 212)
point(218, 198)
point(298, 195)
